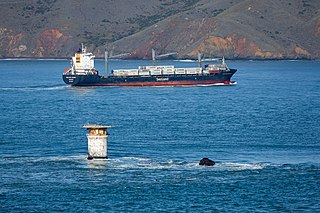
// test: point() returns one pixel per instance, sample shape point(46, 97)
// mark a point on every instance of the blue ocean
point(263, 134)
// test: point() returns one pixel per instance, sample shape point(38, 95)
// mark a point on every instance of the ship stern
point(71, 79)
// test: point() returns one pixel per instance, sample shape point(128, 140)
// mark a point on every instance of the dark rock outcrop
point(206, 162)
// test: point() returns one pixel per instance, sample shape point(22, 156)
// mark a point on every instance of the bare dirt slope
point(233, 28)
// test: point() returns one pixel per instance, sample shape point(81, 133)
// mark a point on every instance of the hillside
point(266, 29)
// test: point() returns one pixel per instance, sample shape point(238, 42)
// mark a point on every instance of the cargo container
point(133, 73)
point(168, 71)
point(144, 72)
point(180, 71)
point(155, 72)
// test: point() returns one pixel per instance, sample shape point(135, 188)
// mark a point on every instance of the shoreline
point(181, 60)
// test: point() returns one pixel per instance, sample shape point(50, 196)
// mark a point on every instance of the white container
point(180, 71)
point(144, 72)
point(123, 72)
point(133, 73)
point(155, 72)
point(168, 72)
point(198, 70)
point(191, 71)
point(116, 72)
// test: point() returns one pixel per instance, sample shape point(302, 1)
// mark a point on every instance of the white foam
point(241, 166)
point(215, 84)
point(136, 158)
point(146, 163)
point(131, 162)
point(27, 89)
point(210, 85)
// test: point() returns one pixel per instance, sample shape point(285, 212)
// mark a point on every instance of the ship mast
point(199, 59)
point(153, 57)
point(106, 61)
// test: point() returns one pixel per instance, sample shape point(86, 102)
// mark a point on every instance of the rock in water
point(206, 162)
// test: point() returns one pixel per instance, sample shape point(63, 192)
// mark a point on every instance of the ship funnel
point(153, 57)
point(106, 61)
point(199, 59)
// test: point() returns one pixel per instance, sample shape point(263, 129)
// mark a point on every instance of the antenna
point(106, 61)
point(153, 57)
point(83, 48)
point(199, 59)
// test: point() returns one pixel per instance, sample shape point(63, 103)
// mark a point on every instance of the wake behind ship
point(83, 73)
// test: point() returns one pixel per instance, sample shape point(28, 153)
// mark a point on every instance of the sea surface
point(263, 134)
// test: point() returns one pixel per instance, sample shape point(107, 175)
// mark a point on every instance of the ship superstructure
point(82, 63)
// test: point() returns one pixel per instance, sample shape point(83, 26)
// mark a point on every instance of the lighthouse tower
point(97, 141)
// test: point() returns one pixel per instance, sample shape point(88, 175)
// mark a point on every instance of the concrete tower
point(97, 141)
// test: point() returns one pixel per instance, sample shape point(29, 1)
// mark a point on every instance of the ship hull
point(222, 78)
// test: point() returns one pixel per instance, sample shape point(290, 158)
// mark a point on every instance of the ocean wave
point(137, 163)
point(34, 88)
point(210, 85)
point(241, 166)
point(148, 163)
point(145, 163)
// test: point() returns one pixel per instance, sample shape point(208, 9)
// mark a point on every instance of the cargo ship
point(83, 73)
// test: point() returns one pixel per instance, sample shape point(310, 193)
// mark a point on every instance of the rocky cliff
point(264, 29)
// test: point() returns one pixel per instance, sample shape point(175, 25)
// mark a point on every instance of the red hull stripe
point(161, 83)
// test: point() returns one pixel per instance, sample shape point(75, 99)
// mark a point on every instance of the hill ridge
point(274, 29)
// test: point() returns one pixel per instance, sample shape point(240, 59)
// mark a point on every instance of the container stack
point(157, 70)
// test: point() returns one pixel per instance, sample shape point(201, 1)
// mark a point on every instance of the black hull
point(160, 80)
